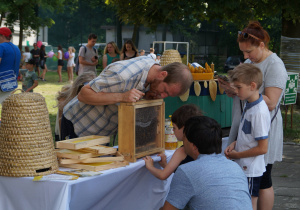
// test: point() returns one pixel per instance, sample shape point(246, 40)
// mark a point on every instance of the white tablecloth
point(131, 187)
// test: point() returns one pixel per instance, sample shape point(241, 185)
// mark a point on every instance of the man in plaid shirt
point(95, 112)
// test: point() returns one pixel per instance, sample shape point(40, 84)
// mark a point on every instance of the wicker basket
point(26, 142)
point(170, 56)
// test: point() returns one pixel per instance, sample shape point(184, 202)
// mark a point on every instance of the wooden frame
point(127, 130)
point(82, 142)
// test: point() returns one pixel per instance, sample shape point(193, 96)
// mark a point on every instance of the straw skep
point(170, 56)
point(26, 142)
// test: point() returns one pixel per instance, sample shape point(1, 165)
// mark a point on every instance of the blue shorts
point(253, 185)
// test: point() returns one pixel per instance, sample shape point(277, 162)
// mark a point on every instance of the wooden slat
point(82, 142)
point(96, 167)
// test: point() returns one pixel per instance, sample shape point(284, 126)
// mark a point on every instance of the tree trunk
point(290, 29)
point(119, 34)
point(136, 30)
point(21, 28)
point(164, 35)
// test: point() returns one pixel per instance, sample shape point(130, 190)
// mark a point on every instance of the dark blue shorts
point(253, 185)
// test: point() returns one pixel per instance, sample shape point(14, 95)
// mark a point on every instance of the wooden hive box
point(141, 129)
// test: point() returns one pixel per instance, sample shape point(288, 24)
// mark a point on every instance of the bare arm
point(84, 62)
point(104, 61)
point(168, 206)
point(35, 84)
point(271, 97)
point(122, 56)
point(260, 149)
point(176, 159)
point(88, 96)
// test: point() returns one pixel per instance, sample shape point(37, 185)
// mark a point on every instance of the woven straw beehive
point(26, 143)
point(170, 56)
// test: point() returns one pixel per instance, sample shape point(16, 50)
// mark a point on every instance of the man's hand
point(132, 95)
point(95, 61)
point(151, 95)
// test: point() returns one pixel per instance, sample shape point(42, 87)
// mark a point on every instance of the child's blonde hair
point(70, 92)
point(246, 73)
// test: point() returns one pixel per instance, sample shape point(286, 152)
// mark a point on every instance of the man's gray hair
point(178, 73)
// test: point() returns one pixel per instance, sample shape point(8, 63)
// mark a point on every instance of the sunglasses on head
point(247, 35)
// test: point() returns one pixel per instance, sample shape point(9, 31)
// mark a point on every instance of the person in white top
point(252, 140)
point(60, 62)
point(27, 54)
point(71, 63)
point(152, 55)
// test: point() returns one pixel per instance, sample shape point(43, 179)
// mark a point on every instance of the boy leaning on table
point(252, 141)
point(210, 181)
point(30, 79)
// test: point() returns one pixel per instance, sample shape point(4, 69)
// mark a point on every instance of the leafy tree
point(80, 18)
point(26, 12)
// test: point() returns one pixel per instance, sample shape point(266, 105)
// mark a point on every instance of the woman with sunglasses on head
point(253, 42)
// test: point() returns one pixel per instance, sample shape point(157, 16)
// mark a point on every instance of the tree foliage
point(26, 12)
point(155, 12)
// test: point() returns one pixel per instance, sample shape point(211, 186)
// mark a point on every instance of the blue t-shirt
point(210, 182)
point(10, 57)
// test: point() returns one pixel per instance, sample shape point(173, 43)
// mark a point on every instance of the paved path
point(286, 179)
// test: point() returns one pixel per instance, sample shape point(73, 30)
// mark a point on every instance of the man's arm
point(88, 96)
point(84, 62)
point(168, 206)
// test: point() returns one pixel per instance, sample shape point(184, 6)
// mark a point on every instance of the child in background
point(30, 79)
point(179, 117)
point(252, 142)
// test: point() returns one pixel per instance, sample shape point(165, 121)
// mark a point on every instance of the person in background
point(111, 52)
point(179, 117)
point(71, 63)
point(157, 60)
point(152, 55)
point(210, 181)
point(88, 56)
point(30, 79)
point(60, 62)
point(67, 93)
point(27, 54)
point(10, 58)
point(142, 52)
point(35, 52)
point(129, 51)
point(253, 42)
point(252, 142)
point(43, 58)
point(124, 81)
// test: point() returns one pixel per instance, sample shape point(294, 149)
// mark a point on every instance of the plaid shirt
point(117, 77)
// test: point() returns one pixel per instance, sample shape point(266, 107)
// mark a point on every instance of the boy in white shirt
point(252, 141)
